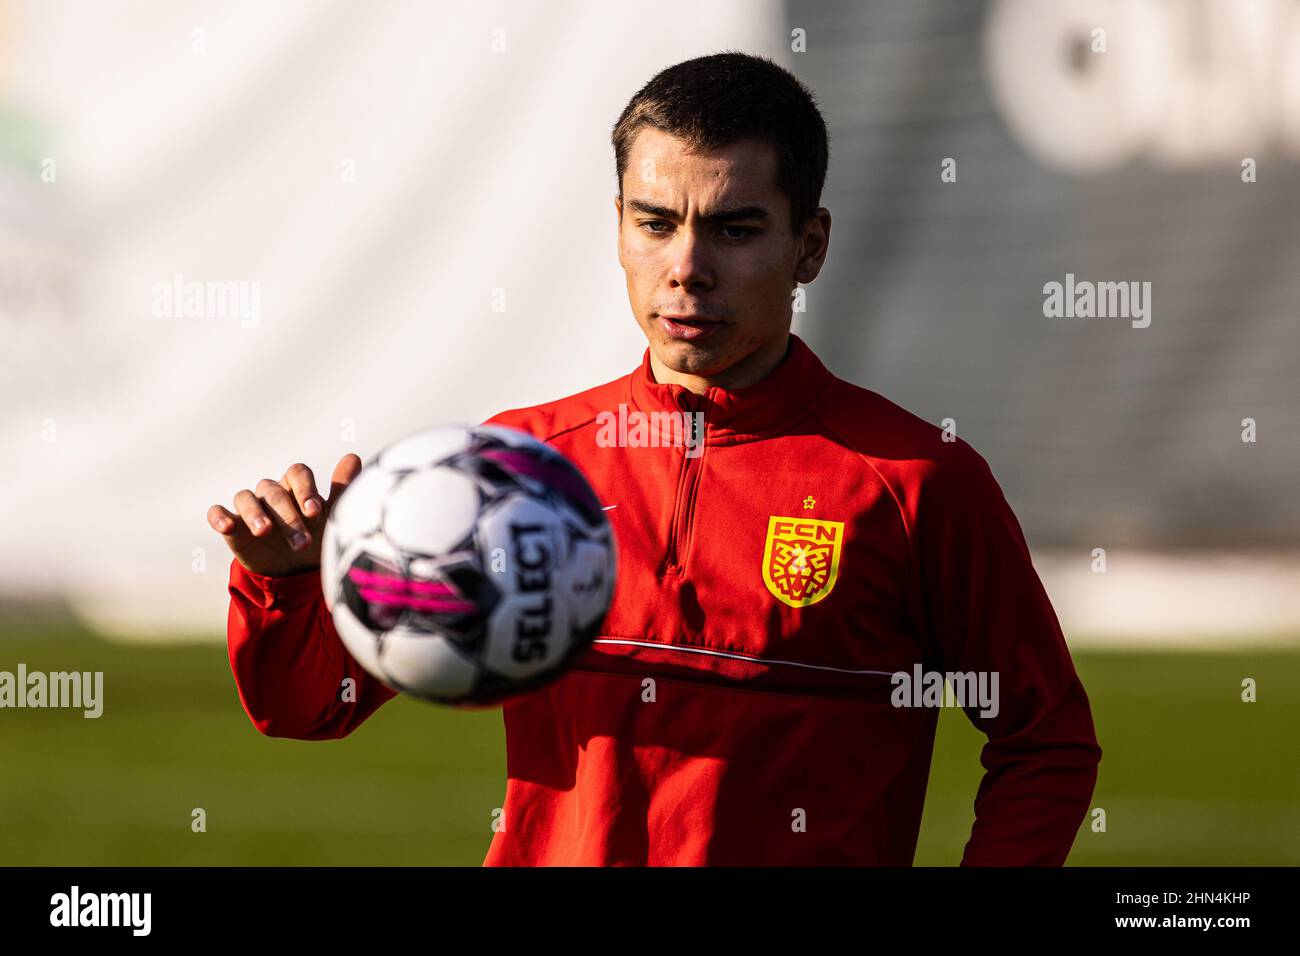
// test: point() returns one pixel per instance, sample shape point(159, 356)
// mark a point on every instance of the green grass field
point(1190, 775)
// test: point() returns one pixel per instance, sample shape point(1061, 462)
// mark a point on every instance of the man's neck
point(753, 368)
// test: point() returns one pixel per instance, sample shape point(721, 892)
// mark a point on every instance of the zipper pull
point(686, 400)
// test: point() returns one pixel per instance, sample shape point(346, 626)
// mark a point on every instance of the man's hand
point(277, 530)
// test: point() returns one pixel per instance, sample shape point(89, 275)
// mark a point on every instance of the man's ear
point(816, 243)
point(618, 207)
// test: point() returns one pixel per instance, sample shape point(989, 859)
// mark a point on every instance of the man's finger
point(345, 471)
point(230, 526)
point(284, 511)
point(299, 480)
point(251, 511)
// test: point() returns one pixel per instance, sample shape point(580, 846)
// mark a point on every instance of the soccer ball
point(465, 565)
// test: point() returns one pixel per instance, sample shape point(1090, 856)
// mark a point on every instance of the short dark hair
point(713, 101)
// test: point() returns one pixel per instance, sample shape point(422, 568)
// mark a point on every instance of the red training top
point(738, 707)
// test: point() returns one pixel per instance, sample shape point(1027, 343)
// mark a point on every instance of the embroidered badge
point(801, 558)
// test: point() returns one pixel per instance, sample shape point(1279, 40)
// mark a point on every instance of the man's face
point(710, 260)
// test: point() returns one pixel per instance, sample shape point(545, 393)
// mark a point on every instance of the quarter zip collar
point(734, 415)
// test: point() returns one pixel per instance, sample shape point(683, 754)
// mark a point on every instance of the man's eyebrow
point(713, 217)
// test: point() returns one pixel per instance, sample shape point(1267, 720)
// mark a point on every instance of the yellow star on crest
point(809, 502)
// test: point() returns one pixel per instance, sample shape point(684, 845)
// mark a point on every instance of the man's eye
point(742, 230)
point(738, 232)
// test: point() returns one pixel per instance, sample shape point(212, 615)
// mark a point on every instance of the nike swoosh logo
point(608, 507)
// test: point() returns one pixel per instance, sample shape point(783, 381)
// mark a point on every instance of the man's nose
point(691, 266)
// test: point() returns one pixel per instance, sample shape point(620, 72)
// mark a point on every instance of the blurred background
point(391, 195)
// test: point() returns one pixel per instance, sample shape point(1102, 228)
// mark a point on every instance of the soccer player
point(790, 573)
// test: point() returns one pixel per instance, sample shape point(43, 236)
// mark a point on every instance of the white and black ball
point(464, 565)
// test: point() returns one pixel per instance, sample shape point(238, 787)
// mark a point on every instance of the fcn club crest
point(801, 558)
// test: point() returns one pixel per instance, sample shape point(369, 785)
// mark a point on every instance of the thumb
point(345, 471)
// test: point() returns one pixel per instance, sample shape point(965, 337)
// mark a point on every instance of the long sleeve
point(988, 613)
point(288, 661)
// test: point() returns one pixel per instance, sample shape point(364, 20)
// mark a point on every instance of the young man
point(778, 568)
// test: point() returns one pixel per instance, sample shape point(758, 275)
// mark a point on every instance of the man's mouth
point(687, 327)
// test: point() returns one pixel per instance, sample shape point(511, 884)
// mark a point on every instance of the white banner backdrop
point(378, 217)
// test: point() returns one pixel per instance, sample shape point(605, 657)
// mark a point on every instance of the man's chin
point(692, 358)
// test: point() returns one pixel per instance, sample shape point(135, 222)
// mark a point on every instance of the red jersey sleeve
point(288, 661)
point(988, 612)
